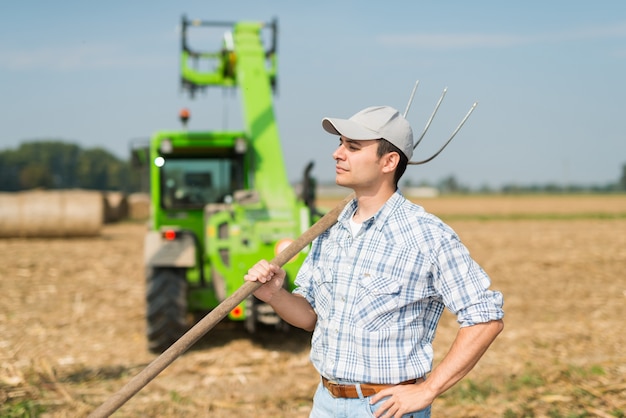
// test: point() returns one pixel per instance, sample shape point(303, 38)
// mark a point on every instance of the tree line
point(60, 165)
point(55, 164)
point(451, 185)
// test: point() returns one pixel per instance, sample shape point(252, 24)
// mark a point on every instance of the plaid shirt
point(379, 296)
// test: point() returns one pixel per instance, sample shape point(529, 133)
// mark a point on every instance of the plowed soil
point(72, 325)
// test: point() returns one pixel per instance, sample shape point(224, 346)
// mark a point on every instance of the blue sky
point(549, 78)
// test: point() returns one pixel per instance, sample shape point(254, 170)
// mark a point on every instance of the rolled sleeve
point(464, 285)
point(489, 309)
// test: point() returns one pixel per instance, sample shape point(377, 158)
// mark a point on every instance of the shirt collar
point(379, 217)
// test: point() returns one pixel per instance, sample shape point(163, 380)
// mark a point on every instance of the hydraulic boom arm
point(243, 62)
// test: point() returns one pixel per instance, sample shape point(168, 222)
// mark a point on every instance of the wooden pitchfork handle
point(213, 318)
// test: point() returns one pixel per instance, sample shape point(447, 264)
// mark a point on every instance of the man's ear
point(390, 162)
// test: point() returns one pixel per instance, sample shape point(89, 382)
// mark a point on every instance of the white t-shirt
point(355, 227)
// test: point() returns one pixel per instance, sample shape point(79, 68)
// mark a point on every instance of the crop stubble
point(72, 324)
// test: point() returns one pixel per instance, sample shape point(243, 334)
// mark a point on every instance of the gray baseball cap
point(376, 122)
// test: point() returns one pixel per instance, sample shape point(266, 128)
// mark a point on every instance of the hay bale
point(83, 213)
point(58, 213)
point(10, 217)
point(139, 206)
point(115, 207)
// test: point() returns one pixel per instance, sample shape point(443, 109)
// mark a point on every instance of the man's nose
point(339, 153)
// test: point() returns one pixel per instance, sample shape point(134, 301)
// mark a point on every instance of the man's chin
point(341, 183)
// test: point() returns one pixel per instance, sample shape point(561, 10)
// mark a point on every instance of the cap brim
point(349, 129)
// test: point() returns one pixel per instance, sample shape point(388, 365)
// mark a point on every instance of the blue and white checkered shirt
point(379, 296)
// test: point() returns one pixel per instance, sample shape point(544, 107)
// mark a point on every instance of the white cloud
point(76, 58)
point(446, 41)
point(483, 40)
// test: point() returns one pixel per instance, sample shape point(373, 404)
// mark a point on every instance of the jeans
point(325, 406)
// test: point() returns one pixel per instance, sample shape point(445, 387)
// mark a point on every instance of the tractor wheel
point(251, 318)
point(166, 296)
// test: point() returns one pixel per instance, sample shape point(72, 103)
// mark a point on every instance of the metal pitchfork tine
point(450, 139)
point(432, 116)
point(408, 105)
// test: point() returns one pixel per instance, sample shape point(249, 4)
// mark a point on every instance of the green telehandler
point(220, 200)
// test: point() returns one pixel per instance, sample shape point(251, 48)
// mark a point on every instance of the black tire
point(250, 321)
point(166, 296)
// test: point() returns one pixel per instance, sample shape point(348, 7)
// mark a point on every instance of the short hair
point(385, 147)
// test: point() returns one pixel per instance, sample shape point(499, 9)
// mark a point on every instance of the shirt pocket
point(378, 302)
point(323, 291)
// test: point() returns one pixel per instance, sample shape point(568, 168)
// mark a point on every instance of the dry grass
point(519, 206)
point(72, 325)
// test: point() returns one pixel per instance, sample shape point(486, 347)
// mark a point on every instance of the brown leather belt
point(367, 389)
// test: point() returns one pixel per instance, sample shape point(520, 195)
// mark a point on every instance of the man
point(374, 285)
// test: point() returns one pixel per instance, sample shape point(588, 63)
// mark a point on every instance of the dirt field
point(72, 324)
